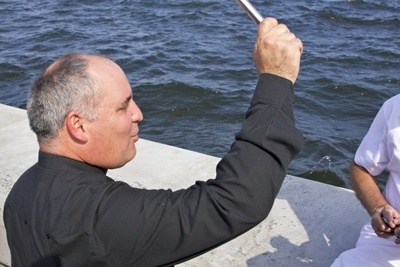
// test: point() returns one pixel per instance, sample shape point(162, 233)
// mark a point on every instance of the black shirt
point(63, 212)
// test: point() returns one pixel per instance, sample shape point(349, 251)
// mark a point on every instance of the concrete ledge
point(310, 224)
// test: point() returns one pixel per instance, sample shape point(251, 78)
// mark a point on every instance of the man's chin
point(123, 162)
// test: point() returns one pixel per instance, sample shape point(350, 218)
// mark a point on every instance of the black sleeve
point(135, 227)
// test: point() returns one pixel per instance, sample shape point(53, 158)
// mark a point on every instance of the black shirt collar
point(52, 161)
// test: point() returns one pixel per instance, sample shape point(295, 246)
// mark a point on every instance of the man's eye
point(123, 108)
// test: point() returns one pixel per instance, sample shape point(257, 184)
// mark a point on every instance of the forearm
point(366, 188)
point(264, 148)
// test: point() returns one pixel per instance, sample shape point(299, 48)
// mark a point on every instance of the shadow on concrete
point(313, 223)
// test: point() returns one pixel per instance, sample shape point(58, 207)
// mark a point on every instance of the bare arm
point(366, 187)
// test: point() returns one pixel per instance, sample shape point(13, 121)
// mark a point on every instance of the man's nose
point(137, 115)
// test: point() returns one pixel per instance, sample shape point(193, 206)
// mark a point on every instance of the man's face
point(112, 136)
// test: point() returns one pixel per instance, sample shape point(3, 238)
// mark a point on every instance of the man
point(65, 211)
point(379, 150)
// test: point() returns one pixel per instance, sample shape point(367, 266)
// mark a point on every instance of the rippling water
point(190, 66)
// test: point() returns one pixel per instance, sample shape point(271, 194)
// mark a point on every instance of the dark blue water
point(190, 66)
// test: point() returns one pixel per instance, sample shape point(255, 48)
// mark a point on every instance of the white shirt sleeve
point(380, 148)
point(372, 152)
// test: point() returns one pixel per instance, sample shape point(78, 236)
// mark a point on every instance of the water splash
point(322, 172)
point(323, 165)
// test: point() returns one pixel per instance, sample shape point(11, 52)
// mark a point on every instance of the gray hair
point(65, 86)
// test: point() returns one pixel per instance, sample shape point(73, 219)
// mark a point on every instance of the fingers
point(389, 215)
point(397, 230)
point(378, 223)
point(266, 25)
point(383, 231)
point(269, 29)
point(270, 26)
point(386, 221)
point(277, 50)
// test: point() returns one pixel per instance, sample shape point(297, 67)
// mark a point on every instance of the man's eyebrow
point(125, 103)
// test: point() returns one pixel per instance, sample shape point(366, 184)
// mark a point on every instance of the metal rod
point(250, 10)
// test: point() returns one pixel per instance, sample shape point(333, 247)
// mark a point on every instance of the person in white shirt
point(378, 244)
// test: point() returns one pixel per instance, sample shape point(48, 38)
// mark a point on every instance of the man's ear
point(75, 126)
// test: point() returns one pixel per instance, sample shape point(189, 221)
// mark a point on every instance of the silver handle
point(250, 10)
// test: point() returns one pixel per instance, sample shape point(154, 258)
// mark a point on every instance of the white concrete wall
point(310, 224)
